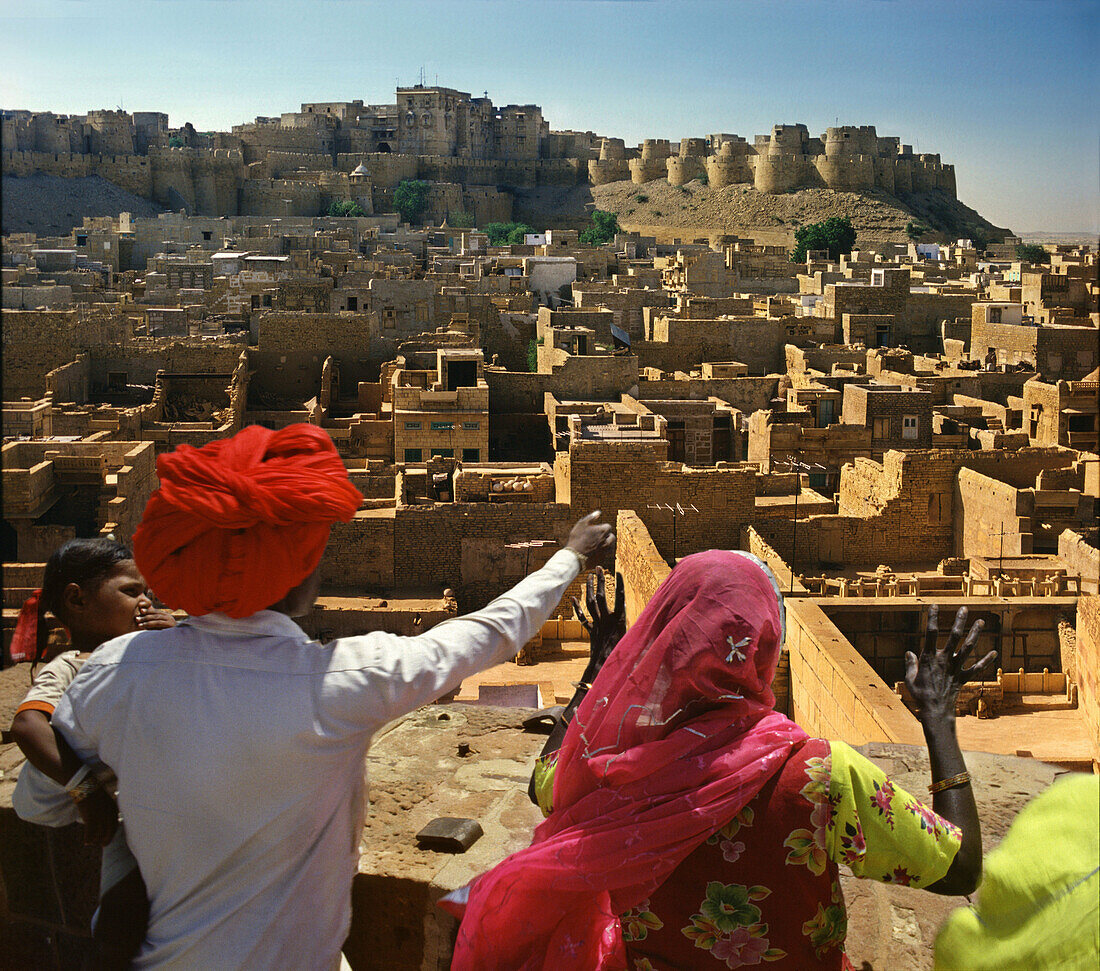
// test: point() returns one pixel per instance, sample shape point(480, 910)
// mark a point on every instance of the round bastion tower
point(781, 163)
point(652, 162)
point(611, 166)
point(689, 163)
point(849, 160)
point(731, 165)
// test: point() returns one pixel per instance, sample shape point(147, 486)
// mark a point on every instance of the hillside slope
point(51, 206)
point(697, 210)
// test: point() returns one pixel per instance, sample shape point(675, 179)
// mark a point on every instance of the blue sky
point(1004, 89)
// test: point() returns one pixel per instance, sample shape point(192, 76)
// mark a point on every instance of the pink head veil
point(677, 734)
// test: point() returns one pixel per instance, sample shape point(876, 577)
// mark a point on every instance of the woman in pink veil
point(692, 825)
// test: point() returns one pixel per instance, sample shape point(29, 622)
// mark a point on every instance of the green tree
point(175, 142)
point(507, 234)
point(835, 234)
point(605, 227)
point(702, 178)
point(915, 230)
point(411, 199)
point(460, 219)
point(533, 356)
point(345, 207)
point(1031, 253)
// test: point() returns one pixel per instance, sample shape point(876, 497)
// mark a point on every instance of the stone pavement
point(469, 761)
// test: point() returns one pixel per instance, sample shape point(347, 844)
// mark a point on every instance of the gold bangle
point(954, 782)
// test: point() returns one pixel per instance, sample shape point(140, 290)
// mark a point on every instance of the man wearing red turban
point(237, 741)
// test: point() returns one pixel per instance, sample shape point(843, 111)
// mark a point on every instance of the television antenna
point(676, 510)
point(529, 545)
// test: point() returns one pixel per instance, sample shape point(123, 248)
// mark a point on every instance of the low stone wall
point(1088, 669)
point(637, 559)
point(834, 692)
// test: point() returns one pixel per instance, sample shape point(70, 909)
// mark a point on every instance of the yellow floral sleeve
point(544, 781)
point(881, 831)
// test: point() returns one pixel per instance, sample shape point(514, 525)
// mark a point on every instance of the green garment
point(1039, 902)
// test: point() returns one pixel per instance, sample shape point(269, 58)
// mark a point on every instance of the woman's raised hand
point(935, 677)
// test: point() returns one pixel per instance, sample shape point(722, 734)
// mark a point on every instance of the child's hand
point(99, 813)
point(149, 618)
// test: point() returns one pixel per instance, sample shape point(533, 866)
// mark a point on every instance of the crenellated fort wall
point(278, 163)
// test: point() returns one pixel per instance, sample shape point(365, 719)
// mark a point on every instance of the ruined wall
point(746, 394)
point(461, 545)
point(992, 518)
point(902, 510)
point(70, 382)
point(680, 344)
point(626, 475)
point(579, 378)
point(1081, 559)
point(360, 554)
point(37, 341)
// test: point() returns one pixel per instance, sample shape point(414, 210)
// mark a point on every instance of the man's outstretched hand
point(605, 627)
point(590, 537)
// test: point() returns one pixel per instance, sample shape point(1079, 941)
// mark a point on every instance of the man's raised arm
point(403, 673)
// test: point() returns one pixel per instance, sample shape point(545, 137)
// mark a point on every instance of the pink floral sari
point(677, 734)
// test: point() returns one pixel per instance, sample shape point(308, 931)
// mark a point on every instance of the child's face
point(110, 609)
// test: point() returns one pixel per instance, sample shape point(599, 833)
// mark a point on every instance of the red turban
point(238, 523)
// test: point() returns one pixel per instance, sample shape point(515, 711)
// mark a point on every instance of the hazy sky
point(1004, 89)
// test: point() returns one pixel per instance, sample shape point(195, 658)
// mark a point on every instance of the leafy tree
point(345, 207)
point(703, 178)
point(915, 230)
point(532, 356)
point(411, 199)
point(460, 219)
point(1031, 253)
point(175, 142)
point(605, 226)
point(835, 234)
point(507, 234)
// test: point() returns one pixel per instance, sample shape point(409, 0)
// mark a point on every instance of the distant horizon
point(999, 89)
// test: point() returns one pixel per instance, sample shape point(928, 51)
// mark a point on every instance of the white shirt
point(239, 747)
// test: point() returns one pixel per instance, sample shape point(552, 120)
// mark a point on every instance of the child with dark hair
point(94, 588)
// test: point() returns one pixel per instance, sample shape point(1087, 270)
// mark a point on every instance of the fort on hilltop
point(299, 163)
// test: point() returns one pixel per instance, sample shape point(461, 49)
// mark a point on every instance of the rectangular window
point(443, 426)
point(443, 453)
point(910, 427)
point(471, 426)
point(414, 455)
point(471, 455)
point(353, 303)
point(881, 428)
point(994, 315)
point(412, 426)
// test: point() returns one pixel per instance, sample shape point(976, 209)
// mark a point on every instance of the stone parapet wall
point(834, 692)
point(1088, 669)
point(639, 561)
